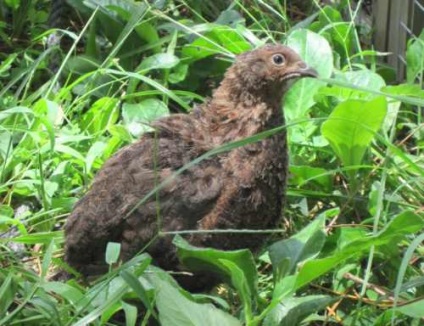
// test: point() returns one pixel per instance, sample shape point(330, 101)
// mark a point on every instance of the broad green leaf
point(110, 311)
point(316, 52)
point(126, 10)
point(402, 225)
point(46, 304)
point(308, 174)
point(339, 33)
point(346, 235)
point(220, 39)
point(7, 293)
point(352, 126)
point(15, 110)
point(361, 79)
point(178, 309)
point(415, 58)
point(113, 250)
point(230, 17)
point(414, 309)
point(151, 82)
point(102, 114)
point(238, 279)
point(65, 150)
point(63, 203)
point(6, 211)
point(413, 247)
point(291, 311)
point(400, 91)
point(158, 61)
point(40, 237)
point(69, 293)
point(105, 295)
point(286, 254)
point(95, 151)
point(149, 33)
point(137, 117)
point(82, 64)
point(6, 64)
point(413, 100)
point(178, 73)
point(45, 112)
point(122, 37)
point(47, 259)
point(6, 145)
point(201, 48)
point(120, 132)
point(413, 90)
point(131, 313)
point(107, 303)
point(7, 219)
point(50, 188)
point(138, 288)
point(53, 112)
point(208, 259)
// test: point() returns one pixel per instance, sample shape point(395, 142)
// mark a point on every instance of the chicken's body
point(239, 189)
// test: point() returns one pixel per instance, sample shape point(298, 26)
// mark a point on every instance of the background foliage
point(79, 82)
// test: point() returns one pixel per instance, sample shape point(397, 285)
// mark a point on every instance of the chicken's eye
point(278, 59)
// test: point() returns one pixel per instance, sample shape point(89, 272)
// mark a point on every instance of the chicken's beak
point(299, 71)
point(308, 72)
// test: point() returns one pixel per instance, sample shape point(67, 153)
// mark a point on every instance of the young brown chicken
point(240, 189)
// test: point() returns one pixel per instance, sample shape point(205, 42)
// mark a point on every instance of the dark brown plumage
point(240, 189)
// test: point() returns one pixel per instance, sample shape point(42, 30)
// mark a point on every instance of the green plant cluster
point(349, 250)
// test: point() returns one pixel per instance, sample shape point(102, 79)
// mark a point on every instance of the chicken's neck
point(236, 112)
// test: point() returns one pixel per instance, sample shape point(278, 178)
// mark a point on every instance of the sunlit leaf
point(364, 79)
point(103, 113)
point(352, 126)
point(316, 52)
